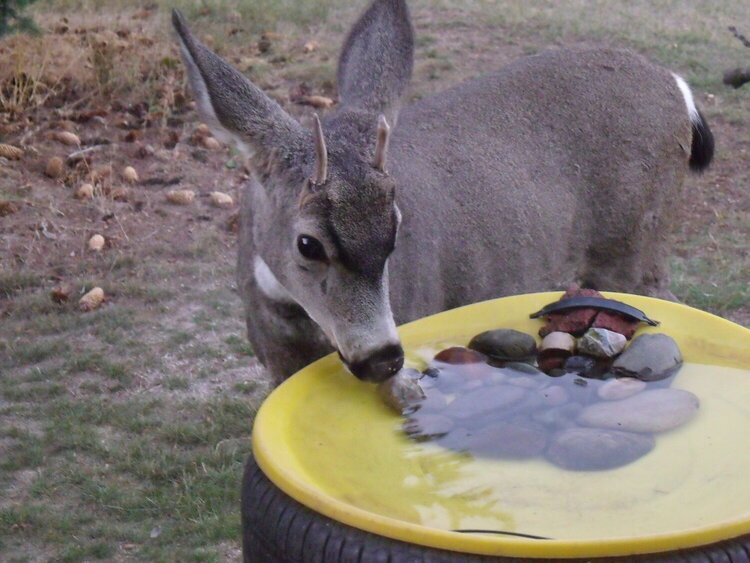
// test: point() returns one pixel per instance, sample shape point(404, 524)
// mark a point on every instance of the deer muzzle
point(378, 366)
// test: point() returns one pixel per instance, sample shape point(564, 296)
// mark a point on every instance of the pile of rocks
point(591, 406)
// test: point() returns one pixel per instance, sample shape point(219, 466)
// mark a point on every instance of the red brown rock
point(616, 323)
point(553, 359)
point(459, 355)
point(574, 322)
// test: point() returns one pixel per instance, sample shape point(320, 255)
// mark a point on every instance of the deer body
point(561, 167)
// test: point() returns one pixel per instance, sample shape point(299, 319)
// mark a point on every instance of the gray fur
point(562, 167)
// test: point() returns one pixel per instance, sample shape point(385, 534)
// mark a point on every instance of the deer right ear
point(234, 108)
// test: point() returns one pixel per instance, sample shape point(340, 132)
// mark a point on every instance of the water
point(518, 412)
point(354, 449)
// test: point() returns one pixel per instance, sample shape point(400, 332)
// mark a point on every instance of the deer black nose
point(380, 365)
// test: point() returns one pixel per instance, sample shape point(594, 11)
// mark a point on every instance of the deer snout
point(380, 365)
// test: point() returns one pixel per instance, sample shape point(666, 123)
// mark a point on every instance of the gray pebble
point(504, 344)
point(483, 400)
point(650, 411)
point(601, 343)
point(620, 388)
point(649, 357)
point(590, 449)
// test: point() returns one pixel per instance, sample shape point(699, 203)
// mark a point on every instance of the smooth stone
point(518, 368)
point(459, 355)
point(435, 401)
point(559, 342)
point(402, 391)
point(649, 357)
point(620, 388)
point(449, 379)
point(554, 395)
point(483, 400)
point(526, 382)
point(558, 417)
point(591, 449)
point(504, 344)
point(601, 343)
point(422, 426)
point(650, 411)
point(582, 365)
point(506, 440)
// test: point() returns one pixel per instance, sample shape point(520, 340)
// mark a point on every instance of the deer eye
point(311, 248)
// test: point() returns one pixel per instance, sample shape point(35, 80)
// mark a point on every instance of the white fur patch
point(688, 96)
point(268, 283)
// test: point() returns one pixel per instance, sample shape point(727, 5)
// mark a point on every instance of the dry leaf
point(10, 152)
point(60, 294)
point(132, 136)
point(220, 199)
point(180, 197)
point(233, 224)
point(119, 194)
point(96, 243)
point(55, 167)
point(7, 208)
point(92, 299)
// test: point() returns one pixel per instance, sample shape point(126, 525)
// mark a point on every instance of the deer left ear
point(377, 58)
point(381, 145)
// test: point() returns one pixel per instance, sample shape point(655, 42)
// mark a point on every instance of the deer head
point(324, 211)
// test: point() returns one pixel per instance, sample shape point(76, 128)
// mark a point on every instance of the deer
point(566, 166)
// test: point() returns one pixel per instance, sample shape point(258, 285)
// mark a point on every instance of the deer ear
point(377, 59)
point(236, 110)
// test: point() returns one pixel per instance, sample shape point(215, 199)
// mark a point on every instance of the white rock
point(601, 343)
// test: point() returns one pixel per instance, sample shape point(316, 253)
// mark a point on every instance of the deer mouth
point(378, 366)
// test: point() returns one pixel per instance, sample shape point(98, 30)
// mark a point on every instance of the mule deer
point(564, 166)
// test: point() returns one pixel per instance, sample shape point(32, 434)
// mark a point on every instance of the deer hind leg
point(629, 242)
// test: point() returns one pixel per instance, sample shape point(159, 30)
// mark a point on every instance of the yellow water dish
point(326, 440)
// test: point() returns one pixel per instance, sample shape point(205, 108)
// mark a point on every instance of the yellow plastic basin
point(326, 440)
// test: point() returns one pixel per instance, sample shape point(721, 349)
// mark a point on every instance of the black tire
point(278, 529)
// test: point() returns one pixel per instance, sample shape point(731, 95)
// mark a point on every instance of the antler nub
point(381, 147)
point(321, 154)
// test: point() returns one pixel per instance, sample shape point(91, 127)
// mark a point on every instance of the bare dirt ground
point(125, 427)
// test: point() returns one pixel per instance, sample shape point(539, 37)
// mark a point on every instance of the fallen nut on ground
point(96, 243)
point(211, 143)
point(220, 199)
point(55, 167)
point(67, 138)
point(92, 299)
point(180, 197)
point(10, 152)
point(129, 175)
point(86, 191)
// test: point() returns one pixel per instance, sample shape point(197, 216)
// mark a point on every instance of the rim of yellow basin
point(703, 338)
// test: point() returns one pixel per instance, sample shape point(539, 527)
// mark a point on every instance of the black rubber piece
point(601, 303)
point(278, 529)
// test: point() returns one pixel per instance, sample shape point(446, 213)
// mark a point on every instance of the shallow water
point(517, 412)
point(695, 475)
